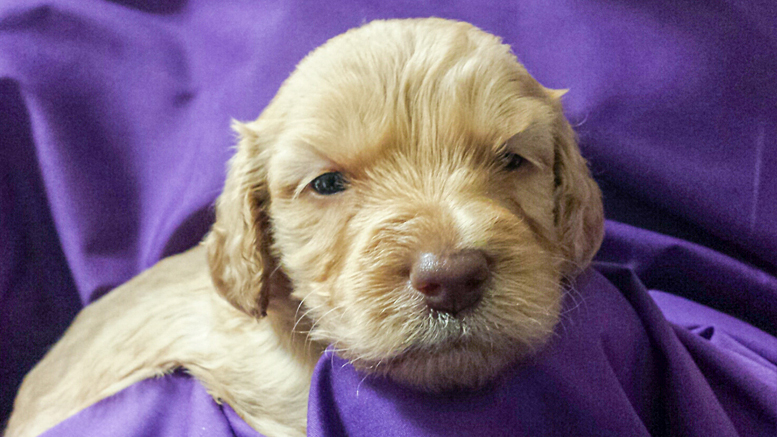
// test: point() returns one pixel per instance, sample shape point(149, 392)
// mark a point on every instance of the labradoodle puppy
point(411, 197)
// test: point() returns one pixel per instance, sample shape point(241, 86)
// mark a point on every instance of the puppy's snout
point(452, 282)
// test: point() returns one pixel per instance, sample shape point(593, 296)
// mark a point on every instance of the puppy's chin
point(457, 367)
point(459, 352)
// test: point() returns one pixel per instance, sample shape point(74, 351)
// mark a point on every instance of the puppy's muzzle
point(450, 282)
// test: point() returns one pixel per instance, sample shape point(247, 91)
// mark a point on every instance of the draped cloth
point(114, 136)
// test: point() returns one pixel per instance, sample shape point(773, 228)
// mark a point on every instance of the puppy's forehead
point(409, 86)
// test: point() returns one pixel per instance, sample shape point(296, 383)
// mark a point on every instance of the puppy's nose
point(450, 283)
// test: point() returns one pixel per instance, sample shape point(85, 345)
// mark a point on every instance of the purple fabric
point(176, 405)
point(616, 368)
point(114, 134)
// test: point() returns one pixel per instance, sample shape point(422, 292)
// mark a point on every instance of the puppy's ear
point(579, 214)
point(238, 244)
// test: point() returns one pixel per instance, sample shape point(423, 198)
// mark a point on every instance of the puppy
point(411, 197)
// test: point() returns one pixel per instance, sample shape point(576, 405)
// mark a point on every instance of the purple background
point(114, 134)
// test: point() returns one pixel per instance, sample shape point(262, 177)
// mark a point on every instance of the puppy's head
point(422, 195)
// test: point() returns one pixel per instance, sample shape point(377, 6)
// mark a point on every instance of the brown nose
point(450, 283)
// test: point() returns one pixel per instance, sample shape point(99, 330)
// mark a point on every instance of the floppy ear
point(579, 214)
point(238, 244)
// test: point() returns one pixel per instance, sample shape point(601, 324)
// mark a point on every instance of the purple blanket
point(114, 134)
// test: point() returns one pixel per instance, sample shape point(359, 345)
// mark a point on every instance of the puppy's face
point(424, 197)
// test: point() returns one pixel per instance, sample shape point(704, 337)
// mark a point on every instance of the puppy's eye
point(512, 160)
point(329, 183)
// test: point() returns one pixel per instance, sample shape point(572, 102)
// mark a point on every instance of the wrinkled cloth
point(615, 368)
point(114, 137)
point(175, 405)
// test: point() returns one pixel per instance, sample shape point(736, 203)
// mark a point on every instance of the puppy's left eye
point(329, 183)
point(512, 160)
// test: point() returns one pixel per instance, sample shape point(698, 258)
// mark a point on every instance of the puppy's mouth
point(455, 353)
point(419, 346)
point(447, 330)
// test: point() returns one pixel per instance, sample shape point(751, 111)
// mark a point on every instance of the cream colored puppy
point(411, 196)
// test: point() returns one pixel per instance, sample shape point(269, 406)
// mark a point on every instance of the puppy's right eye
point(512, 161)
point(329, 183)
